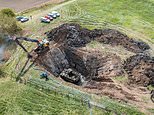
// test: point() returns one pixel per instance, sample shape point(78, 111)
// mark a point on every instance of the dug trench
point(94, 69)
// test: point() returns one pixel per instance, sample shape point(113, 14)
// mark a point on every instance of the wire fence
point(56, 88)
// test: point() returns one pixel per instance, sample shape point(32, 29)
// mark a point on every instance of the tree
point(8, 24)
point(8, 12)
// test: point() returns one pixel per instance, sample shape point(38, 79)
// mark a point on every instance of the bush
point(2, 73)
point(8, 24)
point(8, 12)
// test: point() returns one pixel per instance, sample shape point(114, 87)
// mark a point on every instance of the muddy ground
point(71, 40)
point(21, 5)
point(96, 70)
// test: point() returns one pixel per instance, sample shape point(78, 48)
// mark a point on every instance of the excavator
point(42, 46)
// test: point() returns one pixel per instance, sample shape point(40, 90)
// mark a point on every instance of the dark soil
point(98, 70)
point(95, 65)
point(67, 52)
point(92, 65)
point(74, 35)
point(140, 69)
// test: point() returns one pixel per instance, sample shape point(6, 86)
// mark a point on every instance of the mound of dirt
point(71, 35)
point(140, 69)
point(115, 38)
point(67, 51)
point(74, 35)
point(68, 58)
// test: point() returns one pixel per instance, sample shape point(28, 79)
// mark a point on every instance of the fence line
point(84, 99)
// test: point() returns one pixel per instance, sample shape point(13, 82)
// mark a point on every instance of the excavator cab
point(42, 46)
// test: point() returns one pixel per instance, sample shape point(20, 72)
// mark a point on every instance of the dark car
point(22, 19)
point(18, 18)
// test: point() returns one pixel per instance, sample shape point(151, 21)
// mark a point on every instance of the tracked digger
point(42, 46)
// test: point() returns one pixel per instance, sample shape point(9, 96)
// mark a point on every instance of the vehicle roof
point(26, 17)
point(44, 18)
point(54, 12)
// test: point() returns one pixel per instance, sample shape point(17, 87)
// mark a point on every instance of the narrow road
point(44, 12)
point(63, 4)
point(21, 5)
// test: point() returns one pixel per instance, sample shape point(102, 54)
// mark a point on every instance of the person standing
point(31, 17)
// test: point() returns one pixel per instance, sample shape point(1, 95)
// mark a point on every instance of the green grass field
point(40, 99)
point(133, 17)
point(20, 99)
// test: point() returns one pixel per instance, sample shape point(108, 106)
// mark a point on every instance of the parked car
point(48, 17)
point(55, 13)
point(45, 20)
point(24, 19)
point(18, 18)
point(52, 15)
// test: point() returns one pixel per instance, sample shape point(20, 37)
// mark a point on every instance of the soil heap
point(140, 69)
point(67, 51)
point(97, 70)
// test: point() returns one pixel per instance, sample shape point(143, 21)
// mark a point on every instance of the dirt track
point(21, 5)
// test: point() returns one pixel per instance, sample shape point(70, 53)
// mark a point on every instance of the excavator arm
point(17, 41)
point(42, 46)
point(25, 39)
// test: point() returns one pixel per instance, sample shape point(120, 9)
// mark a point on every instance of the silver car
point(55, 13)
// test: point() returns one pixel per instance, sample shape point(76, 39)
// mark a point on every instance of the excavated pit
point(69, 59)
point(91, 65)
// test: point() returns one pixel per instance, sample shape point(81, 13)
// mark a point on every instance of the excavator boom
point(27, 39)
point(42, 45)
point(16, 39)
